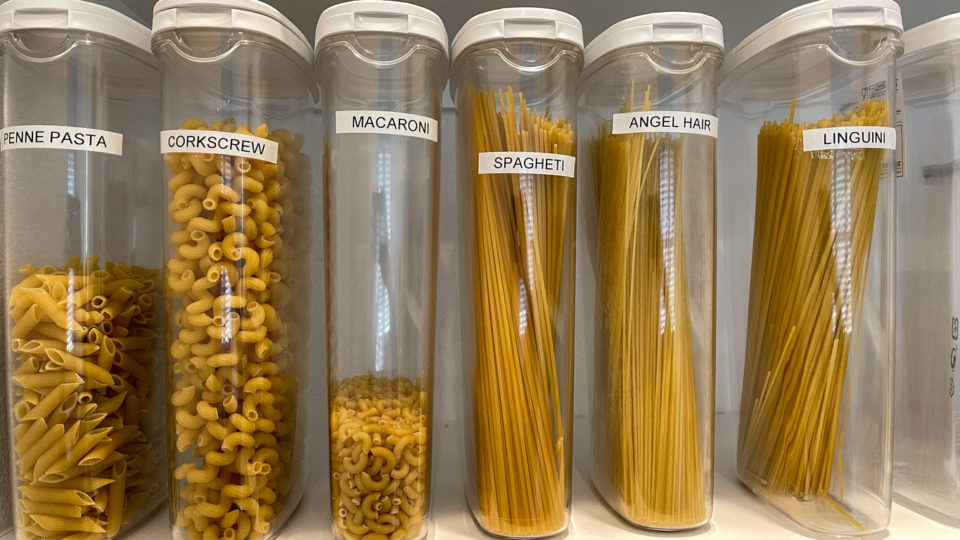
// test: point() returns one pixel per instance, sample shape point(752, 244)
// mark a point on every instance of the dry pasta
point(646, 431)
point(83, 340)
point(522, 228)
point(234, 385)
point(814, 225)
point(378, 457)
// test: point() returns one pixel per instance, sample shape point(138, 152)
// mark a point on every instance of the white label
point(665, 122)
point(849, 137)
point(387, 123)
point(218, 142)
point(64, 137)
point(526, 163)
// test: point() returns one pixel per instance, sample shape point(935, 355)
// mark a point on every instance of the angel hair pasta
point(230, 281)
point(814, 226)
point(521, 228)
point(83, 343)
point(378, 458)
point(647, 460)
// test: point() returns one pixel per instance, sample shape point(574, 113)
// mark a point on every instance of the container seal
point(518, 22)
point(381, 16)
point(820, 15)
point(73, 15)
point(656, 28)
point(931, 34)
point(236, 15)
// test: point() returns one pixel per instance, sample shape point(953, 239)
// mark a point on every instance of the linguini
point(814, 226)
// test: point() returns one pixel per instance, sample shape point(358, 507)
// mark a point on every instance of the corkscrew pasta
point(378, 457)
point(521, 228)
point(812, 238)
point(646, 433)
point(83, 340)
point(234, 378)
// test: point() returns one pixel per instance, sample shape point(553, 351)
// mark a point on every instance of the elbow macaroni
point(82, 378)
point(378, 459)
point(234, 383)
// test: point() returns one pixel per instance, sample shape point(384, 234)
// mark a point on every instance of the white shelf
point(737, 514)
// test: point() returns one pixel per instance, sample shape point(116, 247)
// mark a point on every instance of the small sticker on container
point(387, 123)
point(665, 122)
point(898, 125)
point(849, 137)
point(526, 163)
point(61, 137)
point(218, 142)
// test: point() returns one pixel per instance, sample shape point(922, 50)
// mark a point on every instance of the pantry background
point(739, 17)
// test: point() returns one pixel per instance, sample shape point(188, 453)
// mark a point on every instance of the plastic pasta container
point(237, 90)
point(382, 68)
point(81, 269)
point(648, 104)
point(514, 80)
point(927, 433)
point(807, 193)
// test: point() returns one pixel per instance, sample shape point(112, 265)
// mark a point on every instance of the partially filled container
point(514, 81)
point(82, 254)
point(807, 171)
point(382, 68)
point(238, 87)
point(927, 425)
point(648, 104)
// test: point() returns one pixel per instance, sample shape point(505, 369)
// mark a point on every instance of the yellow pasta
point(234, 378)
point(646, 432)
point(812, 239)
point(79, 397)
point(378, 458)
point(523, 224)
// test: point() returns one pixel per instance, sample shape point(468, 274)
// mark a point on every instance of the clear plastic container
point(237, 93)
point(514, 80)
point(81, 266)
point(382, 68)
point(648, 104)
point(807, 172)
point(927, 423)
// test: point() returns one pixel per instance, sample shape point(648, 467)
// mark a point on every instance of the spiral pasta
point(84, 347)
point(378, 458)
point(234, 385)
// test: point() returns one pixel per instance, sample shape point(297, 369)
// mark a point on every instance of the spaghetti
point(814, 224)
point(523, 255)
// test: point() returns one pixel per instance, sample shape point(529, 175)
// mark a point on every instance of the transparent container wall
point(519, 232)
point(927, 423)
point(647, 202)
point(813, 318)
point(381, 258)
point(81, 260)
point(237, 284)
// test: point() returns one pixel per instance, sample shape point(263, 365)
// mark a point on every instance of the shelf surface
point(736, 512)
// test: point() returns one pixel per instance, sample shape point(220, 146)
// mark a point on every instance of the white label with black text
point(849, 137)
point(62, 137)
point(218, 142)
point(387, 123)
point(526, 163)
point(665, 122)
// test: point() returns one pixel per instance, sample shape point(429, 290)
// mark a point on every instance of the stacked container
point(514, 80)
point(81, 261)
point(648, 102)
point(927, 434)
point(382, 67)
point(807, 107)
point(237, 91)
